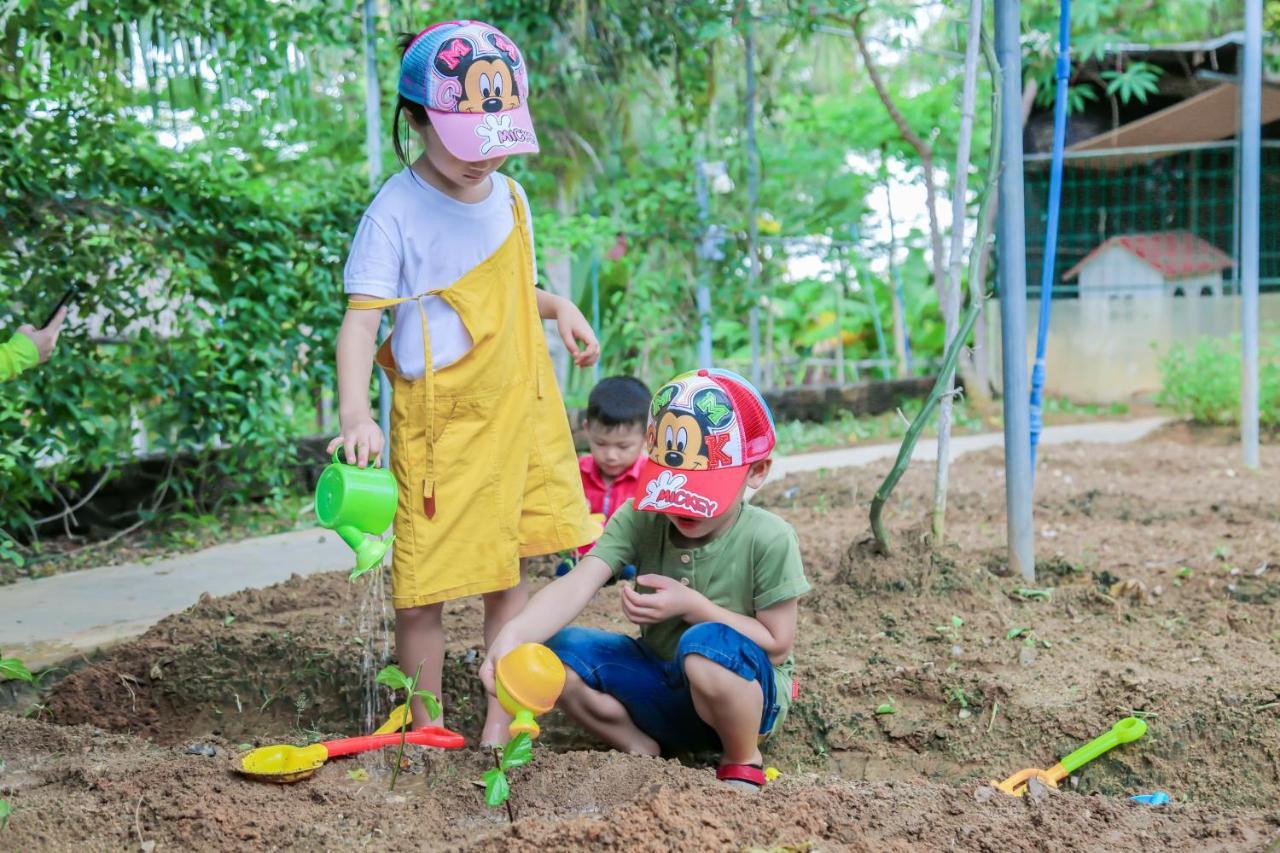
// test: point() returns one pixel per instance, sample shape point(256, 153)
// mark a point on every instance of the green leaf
point(1014, 633)
point(228, 619)
point(429, 699)
point(392, 677)
point(886, 708)
point(13, 668)
point(956, 621)
point(496, 788)
point(518, 751)
point(5, 811)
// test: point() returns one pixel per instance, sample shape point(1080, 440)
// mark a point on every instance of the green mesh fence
point(1173, 209)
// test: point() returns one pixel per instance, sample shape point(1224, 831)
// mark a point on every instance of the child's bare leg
point(499, 609)
point(728, 703)
point(604, 716)
point(420, 642)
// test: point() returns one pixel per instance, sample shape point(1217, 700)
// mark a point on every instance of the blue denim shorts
point(654, 691)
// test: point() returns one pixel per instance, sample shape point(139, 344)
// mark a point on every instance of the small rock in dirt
point(156, 672)
point(957, 651)
point(147, 846)
point(1037, 790)
point(470, 657)
point(206, 749)
point(984, 793)
point(1027, 655)
point(964, 714)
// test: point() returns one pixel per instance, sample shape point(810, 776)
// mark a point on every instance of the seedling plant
point(11, 669)
point(393, 677)
point(497, 787)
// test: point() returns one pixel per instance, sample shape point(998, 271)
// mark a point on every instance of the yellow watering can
point(529, 680)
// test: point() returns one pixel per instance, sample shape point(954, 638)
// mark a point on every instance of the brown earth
point(1163, 562)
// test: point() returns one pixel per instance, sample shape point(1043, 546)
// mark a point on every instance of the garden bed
point(1164, 565)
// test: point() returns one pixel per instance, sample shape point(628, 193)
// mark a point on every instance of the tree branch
point(923, 150)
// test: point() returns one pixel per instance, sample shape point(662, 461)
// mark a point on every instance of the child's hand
point(501, 646)
point(575, 329)
point(672, 600)
point(361, 442)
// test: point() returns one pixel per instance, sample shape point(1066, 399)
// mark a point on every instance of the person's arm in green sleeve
point(29, 347)
point(17, 355)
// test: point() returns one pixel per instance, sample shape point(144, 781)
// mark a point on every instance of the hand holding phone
point(66, 298)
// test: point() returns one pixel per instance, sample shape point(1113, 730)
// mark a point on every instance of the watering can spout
point(352, 535)
point(369, 549)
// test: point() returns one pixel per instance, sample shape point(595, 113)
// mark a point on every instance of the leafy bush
point(1202, 381)
point(213, 302)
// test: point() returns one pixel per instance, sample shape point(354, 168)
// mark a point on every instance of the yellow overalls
point(481, 449)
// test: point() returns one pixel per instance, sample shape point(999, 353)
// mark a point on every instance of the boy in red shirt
point(617, 413)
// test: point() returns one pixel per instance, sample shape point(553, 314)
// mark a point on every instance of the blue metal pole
point(1011, 241)
point(1250, 204)
point(1051, 229)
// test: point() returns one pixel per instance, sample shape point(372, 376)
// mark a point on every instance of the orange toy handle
point(436, 736)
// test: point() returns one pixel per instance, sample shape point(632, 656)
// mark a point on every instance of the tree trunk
point(558, 273)
point(978, 282)
point(951, 302)
point(923, 150)
point(899, 309)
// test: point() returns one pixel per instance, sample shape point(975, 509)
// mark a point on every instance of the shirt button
point(685, 558)
point(684, 581)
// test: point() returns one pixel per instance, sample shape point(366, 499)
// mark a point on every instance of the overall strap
point(521, 223)
point(428, 376)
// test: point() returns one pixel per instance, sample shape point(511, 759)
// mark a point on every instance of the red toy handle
point(441, 738)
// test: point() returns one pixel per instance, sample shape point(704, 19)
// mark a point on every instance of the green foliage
point(1099, 27)
point(13, 669)
point(517, 753)
point(5, 811)
point(1202, 381)
point(1136, 81)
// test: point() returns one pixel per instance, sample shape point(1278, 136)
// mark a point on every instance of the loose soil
point(1156, 595)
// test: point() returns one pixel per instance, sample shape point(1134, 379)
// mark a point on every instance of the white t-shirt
point(414, 238)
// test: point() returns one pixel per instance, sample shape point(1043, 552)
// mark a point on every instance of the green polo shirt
point(752, 566)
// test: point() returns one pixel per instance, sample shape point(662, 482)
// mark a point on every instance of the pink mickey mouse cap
point(473, 81)
point(706, 428)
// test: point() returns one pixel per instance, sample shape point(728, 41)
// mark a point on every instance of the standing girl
point(481, 447)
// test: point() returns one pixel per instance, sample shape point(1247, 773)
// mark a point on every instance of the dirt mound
point(923, 675)
point(119, 791)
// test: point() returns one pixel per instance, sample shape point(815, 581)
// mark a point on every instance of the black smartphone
point(66, 297)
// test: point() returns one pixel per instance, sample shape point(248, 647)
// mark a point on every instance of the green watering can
point(358, 504)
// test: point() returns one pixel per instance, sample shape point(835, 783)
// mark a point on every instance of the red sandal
point(742, 775)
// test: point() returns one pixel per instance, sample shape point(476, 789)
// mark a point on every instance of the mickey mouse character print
point(705, 430)
point(472, 79)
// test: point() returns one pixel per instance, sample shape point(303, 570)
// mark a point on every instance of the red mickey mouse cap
point(706, 428)
point(472, 79)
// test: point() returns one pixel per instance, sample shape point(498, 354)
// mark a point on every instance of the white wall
point(1117, 269)
point(1102, 350)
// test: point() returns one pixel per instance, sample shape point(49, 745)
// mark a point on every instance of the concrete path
point(1107, 432)
point(50, 620)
